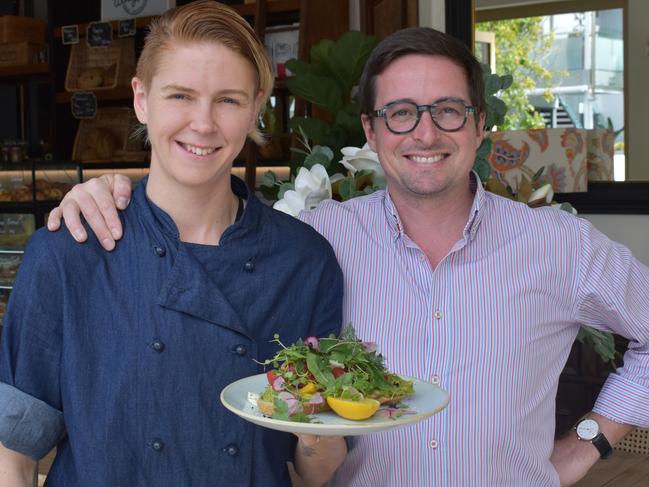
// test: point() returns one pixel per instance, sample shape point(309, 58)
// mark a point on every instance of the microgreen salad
point(341, 373)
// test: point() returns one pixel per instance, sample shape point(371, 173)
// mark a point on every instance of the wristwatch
point(588, 430)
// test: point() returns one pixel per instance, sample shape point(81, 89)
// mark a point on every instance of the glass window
point(568, 68)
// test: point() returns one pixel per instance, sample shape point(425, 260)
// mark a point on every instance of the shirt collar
point(475, 215)
point(477, 208)
point(248, 221)
point(392, 216)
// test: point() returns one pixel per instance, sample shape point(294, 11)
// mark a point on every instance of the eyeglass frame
point(382, 112)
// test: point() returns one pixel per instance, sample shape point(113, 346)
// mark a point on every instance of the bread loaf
point(91, 78)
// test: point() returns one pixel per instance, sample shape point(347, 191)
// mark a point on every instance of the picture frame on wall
point(129, 9)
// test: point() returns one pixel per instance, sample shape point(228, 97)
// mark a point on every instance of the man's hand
point(98, 200)
point(317, 458)
point(572, 458)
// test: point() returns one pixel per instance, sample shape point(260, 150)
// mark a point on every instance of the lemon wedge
point(357, 410)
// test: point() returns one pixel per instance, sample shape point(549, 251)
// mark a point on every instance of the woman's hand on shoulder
point(98, 200)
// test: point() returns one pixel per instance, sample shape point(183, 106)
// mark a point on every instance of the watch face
point(587, 429)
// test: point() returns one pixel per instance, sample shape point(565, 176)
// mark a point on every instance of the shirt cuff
point(27, 424)
point(623, 401)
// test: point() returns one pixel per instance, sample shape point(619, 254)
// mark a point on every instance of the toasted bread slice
point(267, 408)
point(389, 401)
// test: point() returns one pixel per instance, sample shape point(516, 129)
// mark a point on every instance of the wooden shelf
point(28, 69)
point(119, 93)
point(272, 6)
point(248, 9)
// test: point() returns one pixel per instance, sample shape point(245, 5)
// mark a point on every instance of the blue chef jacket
point(118, 358)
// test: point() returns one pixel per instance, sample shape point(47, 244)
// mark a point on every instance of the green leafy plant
point(328, 82)
point(496, 109)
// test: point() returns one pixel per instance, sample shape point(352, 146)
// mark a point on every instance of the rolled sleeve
point(27, 424)
point(624, 401)
point(613, 297)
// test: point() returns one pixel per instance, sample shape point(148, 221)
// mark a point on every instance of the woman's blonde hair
point(206, 21)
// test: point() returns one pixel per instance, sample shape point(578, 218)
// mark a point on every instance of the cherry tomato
point(338, 371)
point(271, 376)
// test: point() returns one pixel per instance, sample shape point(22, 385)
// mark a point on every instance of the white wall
point(630, 230)
point(637, 69)
point(432, 14)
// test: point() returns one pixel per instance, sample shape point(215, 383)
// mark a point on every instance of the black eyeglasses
point(448, 114)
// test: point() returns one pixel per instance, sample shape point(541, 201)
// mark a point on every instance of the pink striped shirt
point(493, 324)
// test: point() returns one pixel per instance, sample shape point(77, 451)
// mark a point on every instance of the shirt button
point(157, 345)
point(422, 257)
point(435, 379)
point(249, 266)
point(433, 444)
point(240, 350)
point(438, 314)
point(157, 444)
point(231, 450)
point(159, 251)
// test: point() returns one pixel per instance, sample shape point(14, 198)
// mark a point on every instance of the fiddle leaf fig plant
point(328, 82)
point(495, 115)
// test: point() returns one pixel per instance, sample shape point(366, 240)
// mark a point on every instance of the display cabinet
point(15, 229)
point(28, 192)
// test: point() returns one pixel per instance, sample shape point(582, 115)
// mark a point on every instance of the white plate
point(427, 400)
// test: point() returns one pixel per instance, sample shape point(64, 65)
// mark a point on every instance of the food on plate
point(342, 373)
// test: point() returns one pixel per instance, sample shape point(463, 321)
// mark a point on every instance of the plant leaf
point(320, 52)
point(315, 129)
point(317, 158)
point(319, 90)
point(268, 179)
point(322, 374)
point(300, 68)
point(347, 188)
point(492, 84)
point(524, 190)
point(506, 81)
point(283, 188)
point(496, 187)
point(538, 174)
point(482, 167)
point(347, 57)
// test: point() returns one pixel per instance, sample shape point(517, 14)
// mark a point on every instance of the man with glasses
point(462, 288)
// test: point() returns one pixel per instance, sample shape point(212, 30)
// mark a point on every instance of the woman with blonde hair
point(121, 368)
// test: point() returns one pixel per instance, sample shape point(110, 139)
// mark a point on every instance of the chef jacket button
point(240, 350)
point(159, 251)
point(157, 444)
point(231, 450)
point(157, 345)
point(249, 266)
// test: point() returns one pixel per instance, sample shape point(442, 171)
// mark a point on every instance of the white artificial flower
point(568, 208)
point(544, 194)
point(355, 159)
point(311, 187)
